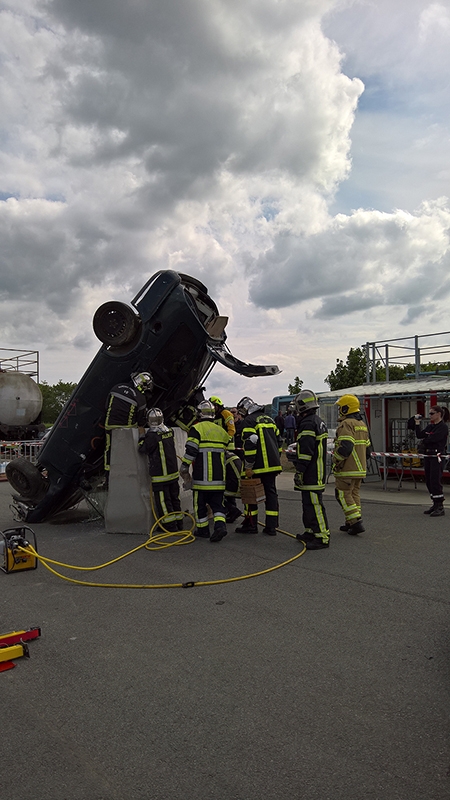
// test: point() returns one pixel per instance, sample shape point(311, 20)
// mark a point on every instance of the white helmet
point(206, 410)
point(154, 418)
point(247, 406)
point(142, 381)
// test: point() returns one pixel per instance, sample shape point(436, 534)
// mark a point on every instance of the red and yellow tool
point(14, 645)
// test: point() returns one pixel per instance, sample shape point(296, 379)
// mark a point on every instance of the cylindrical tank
point(20, 399)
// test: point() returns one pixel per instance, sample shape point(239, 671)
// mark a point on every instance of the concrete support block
point(128, 506)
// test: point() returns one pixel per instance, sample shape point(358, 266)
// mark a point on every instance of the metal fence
point(22, 449)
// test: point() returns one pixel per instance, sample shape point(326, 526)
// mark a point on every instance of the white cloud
point(213, 137)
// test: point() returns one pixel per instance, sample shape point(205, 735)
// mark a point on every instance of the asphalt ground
point(325, 679)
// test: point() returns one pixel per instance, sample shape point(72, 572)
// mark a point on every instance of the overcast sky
point(292, 154)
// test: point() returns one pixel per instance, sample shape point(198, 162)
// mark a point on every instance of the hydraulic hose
point(158, 541)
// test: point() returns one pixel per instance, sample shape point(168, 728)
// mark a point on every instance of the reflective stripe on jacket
point(205, 450)
point(312, 452)
point(125, 407)
point(350, 447)
point(162, 459)
point(262, 443)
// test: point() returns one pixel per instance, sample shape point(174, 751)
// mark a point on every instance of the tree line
point(352, 371)
point(54, 398)
point(346, 374)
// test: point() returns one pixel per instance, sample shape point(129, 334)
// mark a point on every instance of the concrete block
point(128, 507)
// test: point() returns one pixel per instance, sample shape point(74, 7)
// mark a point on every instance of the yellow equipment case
point(12, 558)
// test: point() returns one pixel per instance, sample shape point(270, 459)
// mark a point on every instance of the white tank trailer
point(20, 406)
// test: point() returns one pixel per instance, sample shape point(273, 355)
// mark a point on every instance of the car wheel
point(116, 323)
point(26, 479)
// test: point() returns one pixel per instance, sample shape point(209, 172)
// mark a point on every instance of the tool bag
point(252, 491)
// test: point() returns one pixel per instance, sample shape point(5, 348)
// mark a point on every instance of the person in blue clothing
point(289, 427)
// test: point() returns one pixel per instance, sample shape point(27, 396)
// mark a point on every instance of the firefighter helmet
point(206, 410)
point(247, 406)
point(306, 400)
point(154, 418)
point(348, 404)
point(142, 381)
point(216, 401)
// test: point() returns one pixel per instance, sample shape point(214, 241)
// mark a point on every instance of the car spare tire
point(116, 324)
point(26, 479)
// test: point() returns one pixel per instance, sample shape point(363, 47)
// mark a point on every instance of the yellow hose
point(155, 542)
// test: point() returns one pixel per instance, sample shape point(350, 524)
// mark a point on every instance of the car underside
point(173, 330)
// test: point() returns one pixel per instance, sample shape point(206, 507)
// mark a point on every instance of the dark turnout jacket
point(312, 435)
point(125, 407)
point(262, 443)
point(162, 459)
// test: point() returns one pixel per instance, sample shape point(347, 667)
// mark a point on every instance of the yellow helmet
point(216, 400)
point(348, 404)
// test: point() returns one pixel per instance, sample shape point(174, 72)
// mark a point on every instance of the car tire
point(116, 324)
point(26, 479)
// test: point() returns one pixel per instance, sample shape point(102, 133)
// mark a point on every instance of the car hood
point(223, 356)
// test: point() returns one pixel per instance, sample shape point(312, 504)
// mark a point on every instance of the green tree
point(296, 387)
point(54, 398)
point(352, 373)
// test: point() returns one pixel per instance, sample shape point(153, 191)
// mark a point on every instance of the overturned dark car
point(172, 330)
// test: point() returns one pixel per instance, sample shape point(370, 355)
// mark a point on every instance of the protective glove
point(248, 473)
point(298, 481)
point(185, 476)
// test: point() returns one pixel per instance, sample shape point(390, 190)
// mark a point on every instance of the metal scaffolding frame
point(25, 361)
point(388, 352)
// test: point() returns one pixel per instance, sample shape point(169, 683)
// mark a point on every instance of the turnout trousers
point(347, 493)
point(166, 496)
point(268, 481)
point(214, 500)
point(433, 477)
point(314, 515)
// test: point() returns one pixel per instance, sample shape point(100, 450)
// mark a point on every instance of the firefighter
point(223, 416)
point(187, 415)
point(158, 445)
point(205, 450)
point(126, 407)
point(233, 469)
point(310, 476)
point(349, 461)
point(262, 446)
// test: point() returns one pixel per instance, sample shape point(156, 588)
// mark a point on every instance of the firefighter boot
point(232, 514)
point(357, 527)
point(312, 542)
point(218, 533)
point(249, 525)
point(201, 533)
point(438, 509)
